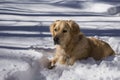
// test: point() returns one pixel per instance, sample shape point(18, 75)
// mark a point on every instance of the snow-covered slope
point(26, 43)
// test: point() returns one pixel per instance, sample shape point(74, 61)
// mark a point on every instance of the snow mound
point(30, 73)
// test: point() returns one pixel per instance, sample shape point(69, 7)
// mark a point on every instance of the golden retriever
point(72, 45)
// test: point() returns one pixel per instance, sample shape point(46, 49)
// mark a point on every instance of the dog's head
point(63, 31)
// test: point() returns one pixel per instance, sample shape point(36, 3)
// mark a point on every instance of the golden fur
point(74, 45)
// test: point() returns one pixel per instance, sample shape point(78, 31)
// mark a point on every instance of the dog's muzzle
point(56, 40)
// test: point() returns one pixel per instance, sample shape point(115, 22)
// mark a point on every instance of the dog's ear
point(74, 27)
point(52, 27)
point(81, 35)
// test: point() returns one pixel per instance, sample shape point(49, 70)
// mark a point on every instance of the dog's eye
point(64, 31)
point(55, 30)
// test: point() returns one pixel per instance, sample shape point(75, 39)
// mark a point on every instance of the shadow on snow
point(40, 29)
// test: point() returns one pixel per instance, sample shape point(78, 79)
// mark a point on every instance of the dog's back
point(99, 49)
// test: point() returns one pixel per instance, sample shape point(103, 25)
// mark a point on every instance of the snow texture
point(26, 44)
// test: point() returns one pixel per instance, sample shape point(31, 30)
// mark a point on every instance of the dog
point(71, 44)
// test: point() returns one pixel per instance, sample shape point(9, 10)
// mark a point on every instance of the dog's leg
point(71, 61)
point(62, 60)
point(52, 62)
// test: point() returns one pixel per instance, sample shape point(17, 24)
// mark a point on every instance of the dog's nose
point(56, 40)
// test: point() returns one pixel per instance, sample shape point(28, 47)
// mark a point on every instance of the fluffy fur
point(74, 45)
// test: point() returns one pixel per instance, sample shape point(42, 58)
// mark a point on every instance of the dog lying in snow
point(72, 45)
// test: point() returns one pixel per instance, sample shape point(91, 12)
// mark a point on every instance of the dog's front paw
point(51, 65)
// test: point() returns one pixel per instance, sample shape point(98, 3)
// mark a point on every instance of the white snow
point(98, 7)
point(26, 44)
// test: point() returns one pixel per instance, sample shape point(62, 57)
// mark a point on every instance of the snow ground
point(26, 43)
